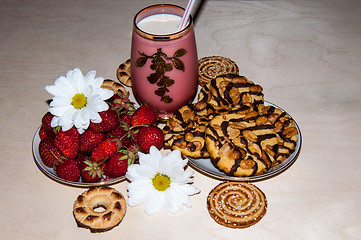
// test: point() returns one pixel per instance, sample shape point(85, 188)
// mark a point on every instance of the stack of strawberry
point(105, 149)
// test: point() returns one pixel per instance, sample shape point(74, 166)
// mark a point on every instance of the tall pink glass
point(164, 68)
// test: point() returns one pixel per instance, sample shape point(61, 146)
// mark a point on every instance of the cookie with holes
point(231, 90)
point(185, 129)
point(250, 144)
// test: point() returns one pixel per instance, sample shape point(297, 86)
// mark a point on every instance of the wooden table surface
point(305, 54)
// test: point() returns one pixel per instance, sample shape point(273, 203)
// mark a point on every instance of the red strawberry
point(110, 121)
point(49, 154)
point(122, 133)
point(121, 102)
point(42, 133)
point(105, 149)
point(91, 172)
point(46, 124)
point(68, 142)
point(67, 170)
point(89, 140)
point(150, 136)
point(144, 115)
point(80, 160)
point(117, 165)
point(126, 118)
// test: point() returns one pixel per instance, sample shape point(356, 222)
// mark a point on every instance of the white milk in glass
point(160, 24)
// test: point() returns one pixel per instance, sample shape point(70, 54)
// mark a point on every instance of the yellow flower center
point(161, 182)
point(79, 101)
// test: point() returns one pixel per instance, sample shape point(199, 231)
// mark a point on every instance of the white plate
point(205, 165)
point(51, 173)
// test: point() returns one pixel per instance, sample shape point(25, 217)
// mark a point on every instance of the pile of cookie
point(230, 124)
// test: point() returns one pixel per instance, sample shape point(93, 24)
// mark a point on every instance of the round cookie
point(85, 209)
point(236, 205)
point(124, 74)
point(211, 67)
point(250, 144)
point(285, 127)
point(231, 90)
point(185, 129)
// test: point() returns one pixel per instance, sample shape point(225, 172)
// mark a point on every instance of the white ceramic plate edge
point(49, 172)
point(205, 166)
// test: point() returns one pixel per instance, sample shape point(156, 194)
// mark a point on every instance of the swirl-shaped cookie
point(211, 67)
point(236, 205)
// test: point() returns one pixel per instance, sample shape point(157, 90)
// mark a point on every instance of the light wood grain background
point(305, 54)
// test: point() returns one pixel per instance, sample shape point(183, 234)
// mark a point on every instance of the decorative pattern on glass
point(161, 64)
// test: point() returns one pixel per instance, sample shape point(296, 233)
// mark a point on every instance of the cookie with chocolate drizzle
point(231, 90)
point(251, 143)
point(185, 129)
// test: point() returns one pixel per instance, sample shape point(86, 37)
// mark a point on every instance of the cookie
point(123, 73)
point(185, 129)
point(211, 67)
point(86, 206)
point(114, 86)
point(285, 127)
point(236, 205)
point(250, 143)
point(231, 90)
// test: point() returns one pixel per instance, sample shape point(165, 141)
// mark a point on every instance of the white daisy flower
point(158, 182)
point(77, 100)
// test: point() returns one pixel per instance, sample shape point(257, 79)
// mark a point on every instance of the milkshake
point(164, 61)
point(160, 24)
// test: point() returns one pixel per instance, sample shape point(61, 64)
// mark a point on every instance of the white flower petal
point(155, 153)
point(54, 122)
point(89, 78)
point(141, 175)
point(59, 111)
point(172, 202)
point(105, 93)
point(177, 156)
point(155, 203)
point(78, 81)
point(61, 87)
point(81, 120)
point(88, 92)
point(96, 104)
point(94, 116)
point(185, 178)
point(138, 192)
point(132, 173)
point(59, 101)
point(182, 196)
point(97, 82)
point(65, 88)
point(136, 172)
point(149, 163)
point(65, 85)
point(189, 189)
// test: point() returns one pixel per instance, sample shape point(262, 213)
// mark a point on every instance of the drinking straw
point(186, 14)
